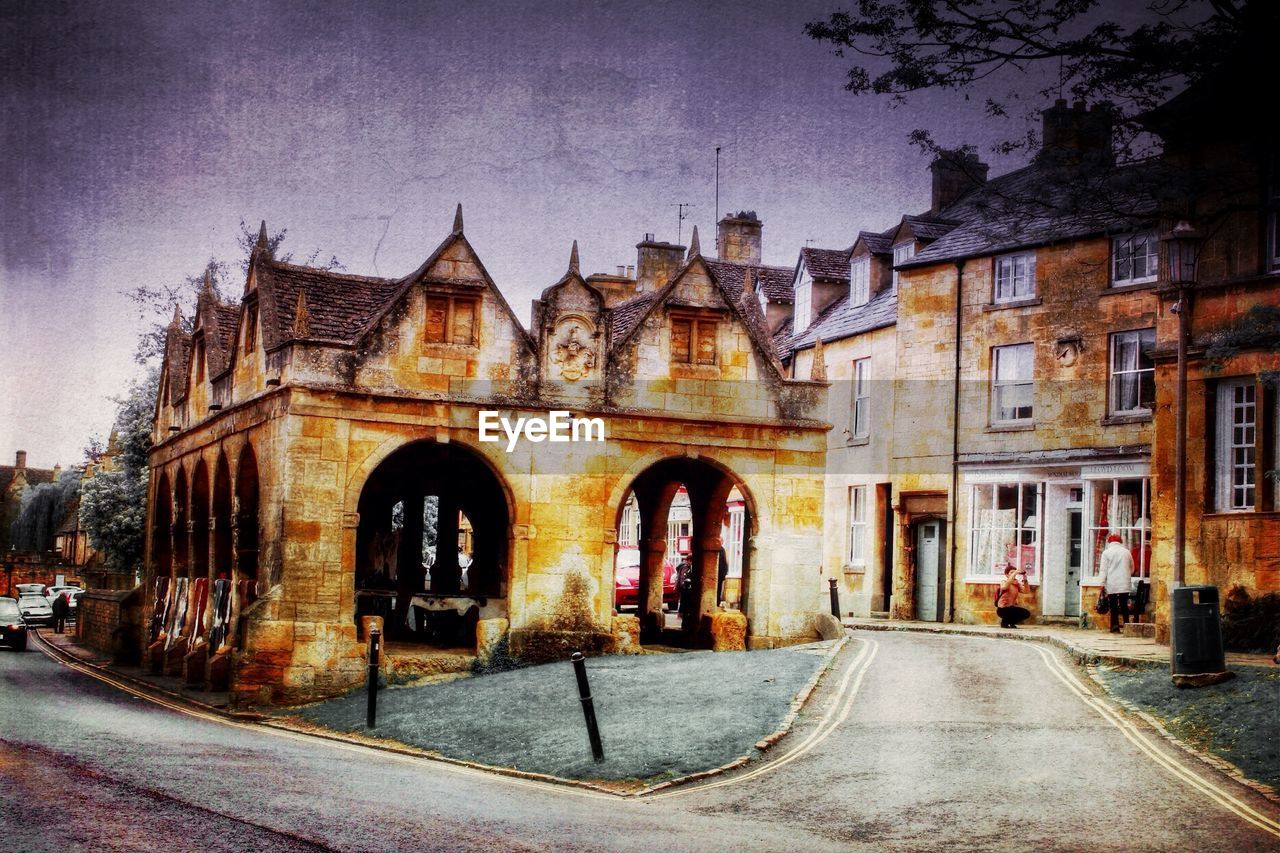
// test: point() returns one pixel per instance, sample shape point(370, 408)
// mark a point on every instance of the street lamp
point(1182, 253)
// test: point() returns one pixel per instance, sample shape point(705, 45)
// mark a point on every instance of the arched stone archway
point(698, 549)
point(433, 544)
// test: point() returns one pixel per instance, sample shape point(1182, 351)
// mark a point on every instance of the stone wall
point(110, 621)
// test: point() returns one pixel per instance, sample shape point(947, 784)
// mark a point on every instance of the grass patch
point(1238, 720)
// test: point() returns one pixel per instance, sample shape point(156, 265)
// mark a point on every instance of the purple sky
point(137, 135)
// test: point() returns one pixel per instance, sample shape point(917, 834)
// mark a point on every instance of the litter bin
point(1197, 631)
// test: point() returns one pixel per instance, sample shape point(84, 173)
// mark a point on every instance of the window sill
point(858, 441)
point(1130, 286)
point(1226, 514)
point(1020, 426)
point(855, 570)
point(994, 580)
point(1136, 418)
point(1013, 303)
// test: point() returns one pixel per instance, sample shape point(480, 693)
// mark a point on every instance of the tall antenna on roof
point(681, 216)
point(717, 186)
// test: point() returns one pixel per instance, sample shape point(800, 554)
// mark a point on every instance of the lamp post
point(1182, 250)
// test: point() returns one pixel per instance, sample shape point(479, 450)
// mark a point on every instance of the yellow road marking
point(1139, 739)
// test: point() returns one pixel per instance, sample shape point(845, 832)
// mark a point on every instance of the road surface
point(913, 742)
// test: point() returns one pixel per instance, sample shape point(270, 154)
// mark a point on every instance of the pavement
point(663, 718)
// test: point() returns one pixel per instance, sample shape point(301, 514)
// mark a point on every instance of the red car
point(626, 588)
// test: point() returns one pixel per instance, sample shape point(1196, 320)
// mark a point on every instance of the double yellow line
point(1139, 739)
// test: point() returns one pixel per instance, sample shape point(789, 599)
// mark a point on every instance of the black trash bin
point(1197, 631)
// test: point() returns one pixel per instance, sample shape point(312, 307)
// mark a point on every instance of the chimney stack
point(1074, 135)
point(954, 174)
point(738, 237)
point(656, 263)
point(21, 460)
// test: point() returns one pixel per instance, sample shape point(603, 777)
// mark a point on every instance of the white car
point(35, 609)
point(53, 592)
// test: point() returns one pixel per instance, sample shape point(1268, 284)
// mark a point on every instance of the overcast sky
point(137, 135)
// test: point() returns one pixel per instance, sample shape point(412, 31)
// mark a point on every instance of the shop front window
point(1122, 507)
point(1004, 528)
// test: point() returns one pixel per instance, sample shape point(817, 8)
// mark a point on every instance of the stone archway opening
point(681, 556)
point(432, 545)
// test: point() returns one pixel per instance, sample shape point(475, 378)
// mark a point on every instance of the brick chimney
point(954, 174)
point(21, 460)
point(1073, 135)
point(656, 263)
point(738, 237)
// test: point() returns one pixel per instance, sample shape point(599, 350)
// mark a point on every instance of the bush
point(1251, 624)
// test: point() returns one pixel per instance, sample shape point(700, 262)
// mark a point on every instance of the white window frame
point(1236, 446)
point(804, 302)
point(1137, 530)
point(856, 553)
point(763, 300)
point(999, 385)
point(1014, 277)
point(1025, 530)
point(902, 252)
point(1118, 373)
point(860, 402)
point(860, 281)
point(1140, 249)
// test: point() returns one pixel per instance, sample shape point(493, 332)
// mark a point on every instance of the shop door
point(928, 569)
point(1075, 551)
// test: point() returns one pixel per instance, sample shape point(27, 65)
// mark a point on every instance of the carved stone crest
point(572, 351)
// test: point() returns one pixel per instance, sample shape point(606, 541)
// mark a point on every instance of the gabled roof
point(782, 340)
point(35, 476)
point(1041, 204)
point(339, 305)
point(731, 280)
point(843, 320)
point(827, 264)
point(626, 315)
point(877, 243)
point(776, 281)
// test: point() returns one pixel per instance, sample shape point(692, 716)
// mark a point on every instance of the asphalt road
point(913, 742)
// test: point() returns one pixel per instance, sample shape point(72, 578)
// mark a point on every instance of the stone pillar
point(446, 574)
point(409, 571)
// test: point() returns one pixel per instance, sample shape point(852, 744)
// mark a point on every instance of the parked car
point(52, 592)
point(28, 588)
point(35, 609)
point(13, 631)
point(626, 585)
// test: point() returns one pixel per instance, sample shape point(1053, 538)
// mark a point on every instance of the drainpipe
point(955, 449)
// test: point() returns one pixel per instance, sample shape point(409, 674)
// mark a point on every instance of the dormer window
point(199, 359)
point(804, 302)
point(693, 339)
point(251, 328)
point(452, 320)
point(902, 253)
point(860, 281)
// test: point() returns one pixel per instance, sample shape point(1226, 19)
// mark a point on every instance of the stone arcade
point(317, 454)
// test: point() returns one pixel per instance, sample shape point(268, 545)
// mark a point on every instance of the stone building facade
point(307, 439)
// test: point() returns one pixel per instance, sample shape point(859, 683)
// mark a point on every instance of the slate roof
point(782, 340)
point(625, 315)
point(828, 264)
point(776, 281)
point(1029, 207)
point(879, 243)
point(842, 320)
point(929, 227)
point(35, 476)
point(339, 306)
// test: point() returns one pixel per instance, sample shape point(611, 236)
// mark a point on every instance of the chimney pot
point(621, 270)
point(631, 270)
point(20, 460)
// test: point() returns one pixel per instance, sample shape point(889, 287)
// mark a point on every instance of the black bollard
point(375, 642)
point(835, 598)
point(588, 707)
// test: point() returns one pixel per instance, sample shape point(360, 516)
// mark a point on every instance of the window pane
point(706, 342)
point(464, 318)
point(437, 311)
point(681, 331)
